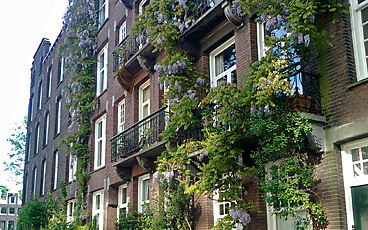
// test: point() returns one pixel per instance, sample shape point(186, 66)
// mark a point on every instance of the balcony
point(305, 96)
point(139, 136)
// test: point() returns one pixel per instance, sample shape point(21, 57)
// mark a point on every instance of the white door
point(355, 170)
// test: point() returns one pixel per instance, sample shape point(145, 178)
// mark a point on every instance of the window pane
point(360, 206)
point(225, 60)
point(97, 202)
point(355, 154)
point(365, 168)
point(146, 94)
point(365, 152)
point(222, 209)
point(360, 1)
point(122, 212)
point(145, 190)
point(3, 210)
point(364, 15)
point(99, 130)
point(145, 111)
point(124, 196)
point(99, 153)
point(357, 169)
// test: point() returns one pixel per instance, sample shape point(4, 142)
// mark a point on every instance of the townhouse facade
point(10, 206)
point(130, 115)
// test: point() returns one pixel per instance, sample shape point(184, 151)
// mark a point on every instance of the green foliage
point(33, 215)
point(80, 27)
point(250, 132)
point(133, 221)
point(18, 142)
point(3, 190)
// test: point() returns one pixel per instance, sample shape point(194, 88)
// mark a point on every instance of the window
point(100, 140)
point(30, 108)
point(3, 210)
point(12, 211)
point(102, 71)
point(2, 224)
point(275, 221)
point(223, 64)
point(46, 129)
point(58, 116)
point(34, 180)
point(56, 168)
point(355, 172)
point(61, 69)
point(37, 137)
point(39, 96)
point(143, 191)
point(359, 20)
point(142, 6)
point(103, 11)
point(122, 32)
point(121, 116)
point(11, 225)
point(98, 208)
point(12, 200)
point(220, 208)
point(123, 201)
point(70, 210)
point(72, 167)
point(43, 178)
point(144, 100)
point(49, 81)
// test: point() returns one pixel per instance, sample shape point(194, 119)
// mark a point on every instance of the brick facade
point(343, 98)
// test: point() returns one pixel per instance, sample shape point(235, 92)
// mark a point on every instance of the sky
point(23, 24)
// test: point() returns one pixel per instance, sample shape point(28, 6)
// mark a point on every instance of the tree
point(18, 142)
point(33, 215)
point(3, 191)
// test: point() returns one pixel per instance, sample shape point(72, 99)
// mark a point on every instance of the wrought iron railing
point(138, 136)
point(193, 132)
point(128, 48)
point(305, 95)
point(202, 6)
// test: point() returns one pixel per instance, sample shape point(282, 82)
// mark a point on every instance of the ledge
point(360, 82)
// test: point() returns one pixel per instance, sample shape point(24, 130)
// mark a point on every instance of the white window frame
point(122, 32)
point(349, 179)
point(105, 8)
point(70, 210)
point(102, 71)
point(142, 7)
point(121, 116)
point(100, 155)
point(98, 209)
point(47, 128)
point(56, 169)
point(37, 142)
point(40, 97)
point(142, 103)
point(213, 55)
point(127, 199)
point(43, 188)
point(272, 215)
point(73, 165)
point(31, 105)
point(216, 208)
point(140, 191)
point(50, 84)
point(358, 39)
point(58, 123)
point(261, 47)
point(34, 180)
point(62, 63)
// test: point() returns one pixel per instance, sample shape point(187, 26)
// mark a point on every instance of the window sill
point(98, 169)
point(355, 84)
point(56, 135)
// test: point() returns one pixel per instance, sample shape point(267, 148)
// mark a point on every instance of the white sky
point(23, 24)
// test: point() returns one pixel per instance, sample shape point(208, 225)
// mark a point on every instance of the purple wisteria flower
point(307, 39)
point(263, 17)
point(300, 38)
point(200, 81)
point(155, 177)
point(253, 109)
point(243, 216)
point(271, 24)
point(205, 153)
point(168, 175)
point(160, 18)
point(266, 110)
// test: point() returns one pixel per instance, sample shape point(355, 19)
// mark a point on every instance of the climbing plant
point(249, 131)
point(79, 50)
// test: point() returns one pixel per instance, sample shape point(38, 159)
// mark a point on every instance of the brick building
point(122, 156)
point(10, 206)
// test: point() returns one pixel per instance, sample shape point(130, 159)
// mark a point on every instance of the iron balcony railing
point(202, 6)
point(138, 136)
point(128, 48)
point(305, 96)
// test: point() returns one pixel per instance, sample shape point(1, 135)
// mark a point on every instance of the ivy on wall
point(250, 131)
